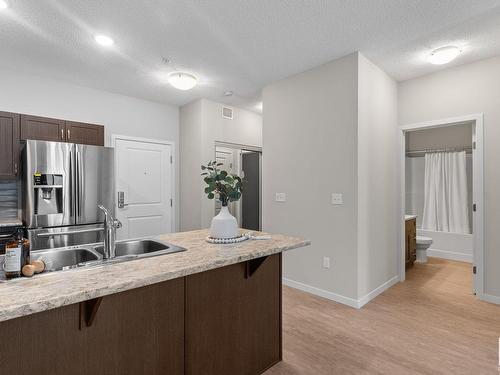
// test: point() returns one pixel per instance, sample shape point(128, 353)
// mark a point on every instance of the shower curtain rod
point(468, 150)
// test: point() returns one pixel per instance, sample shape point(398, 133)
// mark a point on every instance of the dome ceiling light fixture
point(444, 55)
point(182, 81)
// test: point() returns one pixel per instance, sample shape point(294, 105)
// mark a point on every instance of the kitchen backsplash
point(8, 199)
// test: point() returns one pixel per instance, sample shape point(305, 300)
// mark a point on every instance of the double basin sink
point(92, 255)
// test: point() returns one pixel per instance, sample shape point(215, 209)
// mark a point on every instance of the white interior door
point(144, 175)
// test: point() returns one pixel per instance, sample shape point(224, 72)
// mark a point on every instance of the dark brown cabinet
point(42, 128)
point(87, 134)
point(48, 129)
point(233, 320)
point(411, 241)
point(9, 145)
point(140, 331)
point(225, 322)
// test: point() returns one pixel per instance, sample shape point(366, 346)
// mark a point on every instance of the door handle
point(121, 199)
point(16, 168)
point(62, 134)
point(69, 134)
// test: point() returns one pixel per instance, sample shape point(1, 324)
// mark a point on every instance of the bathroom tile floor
point(430, 324)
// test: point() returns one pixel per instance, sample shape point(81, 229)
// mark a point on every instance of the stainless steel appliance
point(63, 185)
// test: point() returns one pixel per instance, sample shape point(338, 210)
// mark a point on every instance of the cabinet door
point(233, 323)
point(87, 134)
point(9, 145)
point(42, 128)
point(140, 331)
point(46, 343)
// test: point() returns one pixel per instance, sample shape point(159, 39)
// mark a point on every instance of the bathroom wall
point(464, 90)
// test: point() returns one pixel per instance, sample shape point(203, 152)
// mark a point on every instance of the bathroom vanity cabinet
point(411, 241)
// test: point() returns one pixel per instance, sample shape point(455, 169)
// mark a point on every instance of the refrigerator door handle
point(78, 185)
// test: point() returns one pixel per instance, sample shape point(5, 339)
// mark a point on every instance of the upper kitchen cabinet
point(42, 128)
point(87, 134)
point(49, 129)
point(9, 145)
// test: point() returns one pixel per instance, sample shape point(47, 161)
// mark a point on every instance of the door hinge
point(474, 270)
point(474, 207)
point(474, 145)
point(171, 159)
point(171, 202)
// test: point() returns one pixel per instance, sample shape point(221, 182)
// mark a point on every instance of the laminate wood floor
point(430, 324)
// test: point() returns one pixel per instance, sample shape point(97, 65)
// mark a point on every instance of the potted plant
point(226, 188)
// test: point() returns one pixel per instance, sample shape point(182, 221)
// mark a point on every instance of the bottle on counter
point(17, 255)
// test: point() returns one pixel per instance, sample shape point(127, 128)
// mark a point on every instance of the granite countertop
point(25, 296)
point(410, 217)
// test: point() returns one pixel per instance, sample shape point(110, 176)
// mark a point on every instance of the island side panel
point(233, 320)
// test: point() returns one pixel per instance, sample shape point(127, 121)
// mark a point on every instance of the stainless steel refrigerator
point(63, 184)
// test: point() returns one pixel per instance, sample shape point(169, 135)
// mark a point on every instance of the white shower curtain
point(445, 197)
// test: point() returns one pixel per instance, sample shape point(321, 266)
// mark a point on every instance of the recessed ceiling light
point(228, 93)
point(3, 4)
point(444, 55)
point(104, 40)
point(182, 81)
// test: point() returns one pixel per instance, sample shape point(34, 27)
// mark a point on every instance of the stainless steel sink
point(61, 259)
point(141, 248)
point(64, 258)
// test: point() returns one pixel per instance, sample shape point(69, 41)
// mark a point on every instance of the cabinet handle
point(16, 169)
point(62, 134)
point(69, 135)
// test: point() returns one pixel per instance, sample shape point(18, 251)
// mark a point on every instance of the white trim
point(115, 137)
point(489, 298)
point(321, 292)
point(355, 303)
point(478, 192)
point(377, 291)
point(450, 255)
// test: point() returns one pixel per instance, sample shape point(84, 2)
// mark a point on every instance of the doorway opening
point(245, 161)
point(442, 195)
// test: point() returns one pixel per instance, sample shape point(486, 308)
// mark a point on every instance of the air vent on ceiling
point(227, 113)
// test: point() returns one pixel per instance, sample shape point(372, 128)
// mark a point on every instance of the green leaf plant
point(220, 184)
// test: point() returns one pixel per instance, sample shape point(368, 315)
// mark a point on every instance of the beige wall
point(378, 178)
point(201, 125)
point(309, 144)
point(438, 138)
point(464, 90)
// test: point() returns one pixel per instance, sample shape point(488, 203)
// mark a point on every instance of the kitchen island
point(213, 309)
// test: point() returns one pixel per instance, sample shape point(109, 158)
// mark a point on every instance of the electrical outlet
point(337, 198)
point(280, 197)
point(326, 262)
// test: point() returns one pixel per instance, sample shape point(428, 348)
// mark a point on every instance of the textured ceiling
point(238, 45)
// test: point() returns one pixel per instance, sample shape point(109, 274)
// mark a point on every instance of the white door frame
point(477, 195)
point(115, 137)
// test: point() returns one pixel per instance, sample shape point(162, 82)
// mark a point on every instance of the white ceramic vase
point(224, 225)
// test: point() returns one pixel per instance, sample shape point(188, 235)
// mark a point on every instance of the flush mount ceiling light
point(182, 81)
point(444, 55)
point(228, 93)
point(3, 5)
point(104, 40)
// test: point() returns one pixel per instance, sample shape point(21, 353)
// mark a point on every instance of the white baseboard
point(356, 303)
point(321, 292)
point(450, 255)
point(378, 290)
point(489, 298)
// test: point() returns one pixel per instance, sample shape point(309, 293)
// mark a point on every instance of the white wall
point(309, 152)
point(463, 90)
point(119, 114)
point(333, 129)
point(378, 181)
point(201, 125)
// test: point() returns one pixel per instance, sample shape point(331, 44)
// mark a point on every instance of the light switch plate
point(280, 197)
point(326, 262)
point(337, 198)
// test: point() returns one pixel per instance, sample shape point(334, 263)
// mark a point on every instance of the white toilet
point(423, 243)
